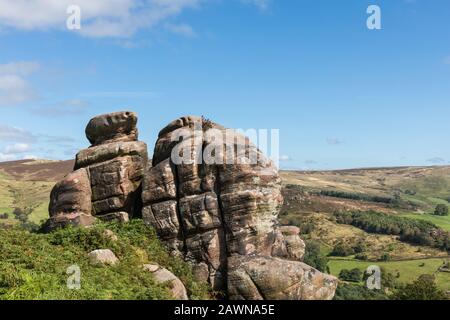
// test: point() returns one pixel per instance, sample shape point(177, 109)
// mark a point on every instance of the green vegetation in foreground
point(407, 271)
point(33, 266)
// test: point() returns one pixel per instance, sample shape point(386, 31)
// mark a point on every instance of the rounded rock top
point(116, 126)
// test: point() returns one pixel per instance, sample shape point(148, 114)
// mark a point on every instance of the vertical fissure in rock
point(224, 231)
point(178, 198)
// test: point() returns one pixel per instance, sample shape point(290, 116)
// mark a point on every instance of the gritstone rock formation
point(211, 195)
point(221, 215)
point(106, 183)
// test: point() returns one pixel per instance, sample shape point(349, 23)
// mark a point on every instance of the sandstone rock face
point(106, 183)
point(216, 204)
point(163, 275)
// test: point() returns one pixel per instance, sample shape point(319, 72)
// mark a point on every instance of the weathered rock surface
point(112, 127)
point(102, 257)
point(107, 180)
point(219, 211)
point(211, 195)
point(163, 275)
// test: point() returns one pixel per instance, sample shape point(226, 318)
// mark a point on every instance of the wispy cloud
point(62, 109)
point(181, 29)
point(436, 160)
point(285, 157)
point(334, 141)
point(260, 4)
point(15, 89)
point(99, 18)
point(121, 94)
point(13, 134)
point(17, 148)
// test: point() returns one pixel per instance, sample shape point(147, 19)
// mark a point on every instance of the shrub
point(342, 250)
point(385, 257)
point(441, 210)
point(347, 291)
point(362, 257)
point(354, 275)
point(424, 288)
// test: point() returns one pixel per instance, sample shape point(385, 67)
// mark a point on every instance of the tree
point(354, 275)
point(424, 288)
point(441, 210)
point(314, 257)
point(342, 250)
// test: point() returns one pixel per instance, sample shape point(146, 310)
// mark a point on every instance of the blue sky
point(342, 95)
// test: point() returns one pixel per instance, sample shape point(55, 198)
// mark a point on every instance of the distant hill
point(26, 185)
point(37, 170)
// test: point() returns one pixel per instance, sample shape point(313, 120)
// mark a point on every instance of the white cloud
point(14, 88)
point(285, 157)
point(17, 148)
point(65, 108)
point(182, 29)
point(334, 141)
point(22, 68)
point(7, 157)
point(13, 134)
point(99, 18)
point(260, 4)
point(436, 160)
point(30, 157)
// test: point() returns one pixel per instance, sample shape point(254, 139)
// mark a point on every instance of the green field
point(441, 221)
point(409, 270)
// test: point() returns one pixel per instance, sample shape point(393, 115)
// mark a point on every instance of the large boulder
point(112, 127)
point(108, 175)
point(214, 198)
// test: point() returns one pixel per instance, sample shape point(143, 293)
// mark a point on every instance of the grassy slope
point(409, 270)
point(27, 184)
point(431, 186)
point(33, 266)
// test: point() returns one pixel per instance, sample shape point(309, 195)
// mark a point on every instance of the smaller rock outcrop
point(163, 275)
point(106, 183)
point(102, 257)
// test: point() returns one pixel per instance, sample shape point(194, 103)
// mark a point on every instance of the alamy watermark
point(213, 146)
point(374, 20)
point(73, 22)
point(373, 281)
point(74, 279)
